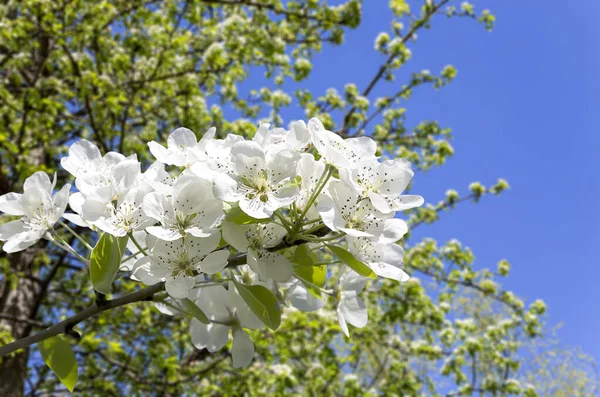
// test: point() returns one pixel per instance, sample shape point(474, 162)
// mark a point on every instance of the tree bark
point(17, 300)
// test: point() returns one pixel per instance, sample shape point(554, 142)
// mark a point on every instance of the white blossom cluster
point(264, 206)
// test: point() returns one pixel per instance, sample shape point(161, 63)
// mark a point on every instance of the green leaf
point(313, 277)
point(59, 356)
point(235, 215)
point(302, 256)
point(105, 261)
point(349, 259)
point(189, 307)
point(262, 302)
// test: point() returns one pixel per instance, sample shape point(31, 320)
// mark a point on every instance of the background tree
point(122, 73)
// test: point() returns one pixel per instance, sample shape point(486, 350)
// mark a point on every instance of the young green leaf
point(302, 256)
point(189, 307)
point(349, 259)
point(313, 277)
point(58, 355)
point(262, 302)
point(105, 261)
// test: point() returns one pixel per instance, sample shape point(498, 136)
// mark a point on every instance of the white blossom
point(175, 262)
point(215, 156)
point(301, 298)
point(384, 260)
point(180, 147)
point(256, 239)
point(342, 153)
point(383, 184)
point(343, 210)
point(275, 140)
point(260, 185)
point(281, 192)
point(351, 308)
point(227, 311)
point(39, 210)
point(191, 208)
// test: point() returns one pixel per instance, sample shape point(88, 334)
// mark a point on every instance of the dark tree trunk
point(18, 300)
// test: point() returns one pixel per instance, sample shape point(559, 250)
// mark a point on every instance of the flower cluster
point(234, 228)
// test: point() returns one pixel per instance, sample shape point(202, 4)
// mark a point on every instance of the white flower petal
point(83, 157)
point(331, 217)
point(276, 266)
point(181, 139)
point(353, 282)
point(302, 299)
point(387, 270)
point(380, 203)
point(92, 210)
point(39, 180)
point(242, 350)
point(159, 152)
point(393, 230)
point(157, 206)
point(10, 204)
point(75, 219)
point(210, 336)
point(235, 235)
point(21, 241)
point(11, 229)
point(164, 233)
point(406, 202)
point(179, 287)
point(148, 272)
point(226, 188)
point(61, 199)
point(214, 262)
point(354, 310)
point(255, 207)
point(342, 322)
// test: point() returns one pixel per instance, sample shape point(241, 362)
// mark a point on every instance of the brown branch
point(442, 207)
point(6, 316)
point(411, 32)
point(88, 106)
point(66, 326)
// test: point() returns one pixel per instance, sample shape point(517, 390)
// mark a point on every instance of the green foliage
point(312, 275)
point(262, 302)
point(194, 311)
point(105, 261)
point(353, 263)
point(59, 356)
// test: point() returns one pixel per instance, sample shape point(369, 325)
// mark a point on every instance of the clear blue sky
point(523, 107)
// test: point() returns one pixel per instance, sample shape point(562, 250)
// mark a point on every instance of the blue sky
point(523, 107)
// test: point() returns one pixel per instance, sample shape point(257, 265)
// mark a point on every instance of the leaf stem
point(74, 234)
point(138, 246)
